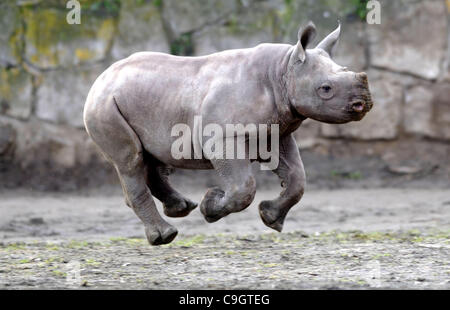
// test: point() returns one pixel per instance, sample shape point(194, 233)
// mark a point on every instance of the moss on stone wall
point(183, 45)
point(15, 92)
point(51, 42)
point(47, 40)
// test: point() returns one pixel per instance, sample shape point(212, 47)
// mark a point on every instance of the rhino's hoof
point(212, 219)
point(158, 236)
point(271, 215)
point(210, 207)
point(179, 208)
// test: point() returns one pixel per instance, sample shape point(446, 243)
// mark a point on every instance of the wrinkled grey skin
point(134, 104)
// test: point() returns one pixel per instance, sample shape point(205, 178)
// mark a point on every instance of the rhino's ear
point(330, 42)
point(305, 36)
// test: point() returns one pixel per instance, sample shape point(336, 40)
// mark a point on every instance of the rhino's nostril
point(358, 106)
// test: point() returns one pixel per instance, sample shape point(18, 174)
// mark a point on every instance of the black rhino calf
point(133, 106)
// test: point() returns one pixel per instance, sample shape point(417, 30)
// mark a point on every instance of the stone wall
point(47, 67)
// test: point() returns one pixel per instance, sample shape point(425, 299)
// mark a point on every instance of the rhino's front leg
point(240, 188)
point(292, 174)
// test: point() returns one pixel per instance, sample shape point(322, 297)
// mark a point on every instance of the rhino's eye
point(325, 91)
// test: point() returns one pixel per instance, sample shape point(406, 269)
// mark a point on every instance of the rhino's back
point(170, 78)
point(147, 83)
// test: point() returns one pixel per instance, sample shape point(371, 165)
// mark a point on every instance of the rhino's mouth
point(361, 102)
point(359, 106)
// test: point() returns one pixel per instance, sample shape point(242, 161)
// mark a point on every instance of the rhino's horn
point(329, 43)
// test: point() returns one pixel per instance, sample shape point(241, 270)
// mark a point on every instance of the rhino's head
point(320, 89)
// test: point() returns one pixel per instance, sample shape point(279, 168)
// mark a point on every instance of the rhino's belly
point(201, 164)
point(160, 145)
point(165, 155)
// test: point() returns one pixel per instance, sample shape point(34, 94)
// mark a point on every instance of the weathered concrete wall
point(47, 66)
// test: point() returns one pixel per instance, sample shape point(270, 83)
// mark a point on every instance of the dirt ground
point(334, 239)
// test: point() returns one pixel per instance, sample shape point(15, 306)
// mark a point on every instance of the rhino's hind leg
point(240, 189)
point(292, 174)
point(175, 205)
point(122, 147)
